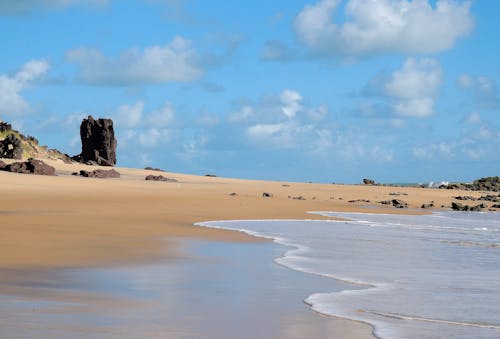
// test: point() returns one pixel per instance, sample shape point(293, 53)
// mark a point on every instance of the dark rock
point(32, 166)
point(211, 175)
point(431, 205)
point(233, 194)
point(11, 148)
point(5, 127)
point(465, 197)
point(368, 182)
point(267, 195)
point(358, 200)
point(495, 206)
point(298, 198)
point(101, 174)
point(154, 169)
point(98, 142)
point(2, 165)
point(491, 184)
point(395, 202)
point(460, 207)
point(491, 198)
point(397, 194)
point(159, 178)
point(399, 203)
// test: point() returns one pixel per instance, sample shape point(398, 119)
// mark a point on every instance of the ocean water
point(432, 276)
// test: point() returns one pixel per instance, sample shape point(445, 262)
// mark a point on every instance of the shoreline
point(66, 222)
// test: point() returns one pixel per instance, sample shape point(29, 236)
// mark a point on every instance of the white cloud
point(175, 62)
point(22, 6)
point(282, 135)
point(384, 26)
point(11, 101)
point(129, 116)
point(291, 102)
point(244, 113)
point(412, 89)
point(133, 116)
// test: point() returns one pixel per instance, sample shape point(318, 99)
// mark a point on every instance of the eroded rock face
point(98, 142)
point(11, 148)
point(32, 166)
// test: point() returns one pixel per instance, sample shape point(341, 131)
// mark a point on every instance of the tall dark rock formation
point(98, 142)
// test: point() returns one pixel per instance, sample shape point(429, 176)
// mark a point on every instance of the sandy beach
point(49, 224)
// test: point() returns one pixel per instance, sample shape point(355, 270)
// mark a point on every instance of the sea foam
point(432, 276)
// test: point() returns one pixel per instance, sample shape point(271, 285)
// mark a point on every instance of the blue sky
point(306, 90)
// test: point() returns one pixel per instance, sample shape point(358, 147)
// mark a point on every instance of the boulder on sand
point(98, 142)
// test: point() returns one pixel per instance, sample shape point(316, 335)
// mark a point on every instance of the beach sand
point(49, 224)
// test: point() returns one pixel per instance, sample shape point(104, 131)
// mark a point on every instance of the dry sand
point(65, 221)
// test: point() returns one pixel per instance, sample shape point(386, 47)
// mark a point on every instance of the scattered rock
point(397, 194)
point(267, 195)
point(395, 202)
point(101, 174)
point(430, 205)
point(298, 198)
point(358, 200)
point(11, 147)
point(461, 207)
point(285, 185)
point(159, 178)
point(491, 198)
point(154, 169)
point(233, 194)
point(32, 166)
point(368, 182)
point(98, 142)
point(211, 175)
point(465, 197)
point(495, 206)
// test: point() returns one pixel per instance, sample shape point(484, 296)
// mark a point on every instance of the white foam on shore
point(420, 276)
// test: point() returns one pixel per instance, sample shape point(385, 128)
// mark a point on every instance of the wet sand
point(53, 224)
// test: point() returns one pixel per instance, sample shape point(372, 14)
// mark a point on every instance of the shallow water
point(216, 290)
point(434, 276)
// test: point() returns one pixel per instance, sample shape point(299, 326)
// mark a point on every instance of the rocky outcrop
point(267, 195)
point(11, 147)
point(98, 142)
point(2, 165)
point(32, 166)
point(5, 127)
point(368, 182)
point(98, 173)
point(159, 178)
point(484, 184)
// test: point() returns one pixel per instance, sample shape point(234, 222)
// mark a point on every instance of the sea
point(408, 276)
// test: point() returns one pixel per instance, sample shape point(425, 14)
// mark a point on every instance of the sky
point(302, 90)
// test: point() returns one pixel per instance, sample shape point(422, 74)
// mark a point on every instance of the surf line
point(439, 321)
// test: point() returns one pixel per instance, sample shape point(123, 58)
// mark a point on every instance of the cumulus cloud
point(175, 62)
point(290, 102)
point(411, 90)
point(384, 26)
point(131, 116)
point(11, 86)
point(23, 6)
